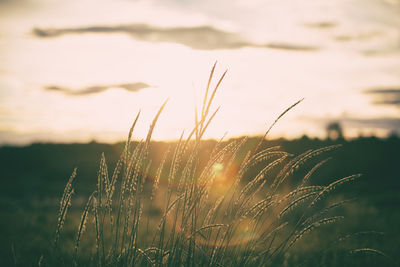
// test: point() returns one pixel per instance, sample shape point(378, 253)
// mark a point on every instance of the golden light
point(223, 179)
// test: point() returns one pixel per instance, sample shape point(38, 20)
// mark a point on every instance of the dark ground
point(33, 178)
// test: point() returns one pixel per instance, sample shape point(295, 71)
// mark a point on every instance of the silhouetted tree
point(334, 131)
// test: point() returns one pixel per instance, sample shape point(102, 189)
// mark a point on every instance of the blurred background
point(74, 74)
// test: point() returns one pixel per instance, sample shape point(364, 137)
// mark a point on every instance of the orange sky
point(81, 70)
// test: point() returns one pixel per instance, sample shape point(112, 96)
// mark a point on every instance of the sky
point(80, 70)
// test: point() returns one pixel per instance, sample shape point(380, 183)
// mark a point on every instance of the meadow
point(248, 201)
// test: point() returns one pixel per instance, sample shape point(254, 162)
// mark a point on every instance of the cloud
point(321, 25)
point(357, 36)
point(385, 123)
point(131, 87)
point(199, 37)
point(387, 96)
point(285, 46)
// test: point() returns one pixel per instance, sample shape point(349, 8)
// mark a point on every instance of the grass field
point(30, 196)
point(240, 202)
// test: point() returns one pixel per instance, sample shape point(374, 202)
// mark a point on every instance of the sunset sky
point(80, 70)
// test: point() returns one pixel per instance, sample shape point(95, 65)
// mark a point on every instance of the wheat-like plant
point(236, 208)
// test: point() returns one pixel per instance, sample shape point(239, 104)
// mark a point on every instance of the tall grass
point(239, 207)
